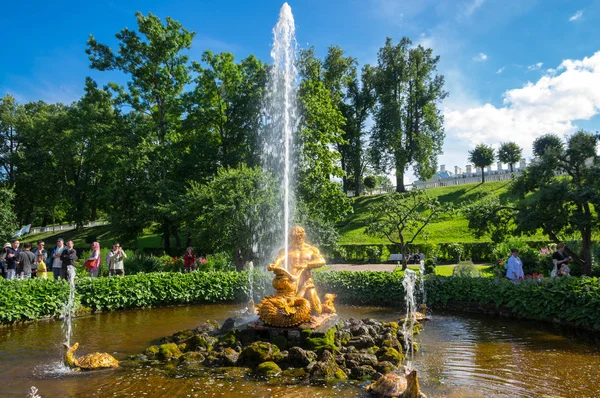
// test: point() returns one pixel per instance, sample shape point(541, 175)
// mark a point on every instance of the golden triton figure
point(296, 296)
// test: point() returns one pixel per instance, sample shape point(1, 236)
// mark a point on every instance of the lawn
point(453, 229)
point(446, 270)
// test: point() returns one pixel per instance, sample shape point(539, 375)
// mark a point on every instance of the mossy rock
point(390, 354)
point(385, 367)
point(151, 352)
point(269, 369)
point(394, 343)
point(327, 370)
point(180, 336)
point(230, 356)
point(168, 352)
point(372, 350)
point(229, 339)
point(209, 326)
point(192, 357)
point(182, 347)
point(280, 357)
point(392, 325)
point(202, 340)
point(319, 344)
point(363, 372)
point(258, 352)
point(295, 373)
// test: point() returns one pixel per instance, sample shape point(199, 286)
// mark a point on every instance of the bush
point(373, 254)
point(566, 300)
point(429, 266)
point(31, 299)
point(465, 270)
point(529, 257)
point(456, 250)
point(219, 262)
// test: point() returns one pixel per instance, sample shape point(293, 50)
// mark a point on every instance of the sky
point(514, 69)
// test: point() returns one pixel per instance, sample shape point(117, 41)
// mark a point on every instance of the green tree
point(557, 194)
point(8, 220)
point(234, 212)
point(408, 123)
point(482, 156)
point(9, 114)
point(402, 217)
point(370, 183)
point(156, 63)
point(224, 109)
point(320, 129)
point(546, 142)
point(510, 153)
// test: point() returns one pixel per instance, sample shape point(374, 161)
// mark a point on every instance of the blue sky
point(515, 69)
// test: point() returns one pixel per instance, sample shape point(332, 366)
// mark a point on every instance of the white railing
point(464, 179)
point(65, 227)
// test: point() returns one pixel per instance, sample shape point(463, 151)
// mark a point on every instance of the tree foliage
point(8, 220)
point(509, 153)
point(558, 194)
point(482, 156)
point(408, 123)
point(234, 212)
point(402, 217)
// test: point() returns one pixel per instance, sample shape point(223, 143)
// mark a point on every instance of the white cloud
point(551, 105)
point(481, 57)
point(473, 6)
point(501, 70)
point(535, 66)
point(576, 16)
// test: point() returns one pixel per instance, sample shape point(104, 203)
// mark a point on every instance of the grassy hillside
point(104, 234)
point(451, 230)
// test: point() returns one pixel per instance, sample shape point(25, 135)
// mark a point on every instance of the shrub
point(429, 266)
point(566, 300)
point(465, 270)
point(456, 250)
point(373, 254)
point(220, 262)
point(529, 257)
point(31, 299)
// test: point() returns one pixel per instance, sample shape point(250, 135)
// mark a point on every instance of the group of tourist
point(560, 261)
point(17, 263)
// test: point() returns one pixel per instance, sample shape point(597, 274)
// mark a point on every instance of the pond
point(460, 356)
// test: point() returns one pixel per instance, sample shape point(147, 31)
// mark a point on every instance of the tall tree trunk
point(356, 184)
point(400, 181)
point(238, 260)
point(166, 236)
point(175, 232)
point(511, 168)
point(482, 175)
point(188, 241)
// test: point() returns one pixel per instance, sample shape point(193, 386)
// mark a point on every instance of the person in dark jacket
point(68, 258)
point(12, 256)
point(25, 262)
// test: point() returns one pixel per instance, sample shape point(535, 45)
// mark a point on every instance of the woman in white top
point(514, 267)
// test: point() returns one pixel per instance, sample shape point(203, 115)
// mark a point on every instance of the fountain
point(280, 114)
point(69, 308)
point(408, 282)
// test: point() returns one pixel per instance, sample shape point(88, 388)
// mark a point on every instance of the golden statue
point(97, 360)
point(296, 296)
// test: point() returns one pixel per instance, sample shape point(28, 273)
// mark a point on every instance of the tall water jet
point(408, 282)
point(69, 307)
point(280, 115)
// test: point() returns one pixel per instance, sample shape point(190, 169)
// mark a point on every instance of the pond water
point(459, 357)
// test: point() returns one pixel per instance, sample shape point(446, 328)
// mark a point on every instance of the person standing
point(93, 262)
point(560, 260)
point(25, 262)
point(3, 260)
point(39, 250)
point(514, 266)
point(114, 259)
point(68, 258)
point(12, 256)
point(42, 270)
point(189, 260)
point(56, 262)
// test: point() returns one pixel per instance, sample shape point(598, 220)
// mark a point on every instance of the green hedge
point(572, 300)
point(567, 300)
point(479, 252)
point(31, 299)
